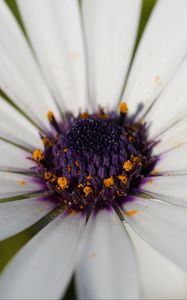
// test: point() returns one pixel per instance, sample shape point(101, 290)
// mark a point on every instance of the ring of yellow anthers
point(62, 183)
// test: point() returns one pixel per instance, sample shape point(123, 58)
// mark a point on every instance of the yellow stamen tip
point(65, 150)
point(84, 115)
point(127, 166)
point(50, 116)
point(87, 190)
point(62, 182)
point(108, 182)
point(123, 108)
point(123, 179)
point(38, 155)
point(46, 141)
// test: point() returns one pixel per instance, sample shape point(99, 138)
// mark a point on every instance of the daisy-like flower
point(95, 156)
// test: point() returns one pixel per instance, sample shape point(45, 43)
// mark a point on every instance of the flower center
point(93, 136)
point(93, 160)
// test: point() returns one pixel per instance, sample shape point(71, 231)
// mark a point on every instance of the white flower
point(79, 57)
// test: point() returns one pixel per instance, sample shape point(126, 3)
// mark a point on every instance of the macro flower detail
point(93, 162)
point(93, 144)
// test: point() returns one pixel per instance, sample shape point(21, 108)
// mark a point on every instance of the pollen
point(123, 108)
point(123, 179)
point(47, 175)
point(46, 141)
point(65, 150)
point(62, 182)
point(38, 155)
point(127, 166)
point(84, 115)
point(108, 182)
point(87, 190)
point(131, 213)
point(50, 116)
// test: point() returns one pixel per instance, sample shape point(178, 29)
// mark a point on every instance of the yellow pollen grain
point(76, 163)
point(68, 169)
point(65, 150)
point(123, 108)
point(131, 213)
point(80, 186)
point(47, 175)
point(136, 159)
point(21, 182)
point(87, 190)
point(38, 155)
point(89, 177)
point(127, 166)
point(84, 115)
point(62, 182)
point(123, 179)
point(50, 116)
point(108, 182)
point(46, 141)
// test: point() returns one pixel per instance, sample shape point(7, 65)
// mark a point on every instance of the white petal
point(173, 161)
point(171, 189)
point(42, 269)
point(171, 106)
point(14, 127)
point(12, 157)
point(16, 216)
point(110, 28)
point(106, 267)
point(163, 226)
point(12, 184)
point(160, 277)
point(174, 137)
point(58, 42)
point(20, 77)
point(159, 54)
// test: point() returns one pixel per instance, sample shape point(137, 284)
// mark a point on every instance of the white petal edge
point(161, 225)
point(160, 278)
point(16, 128)
point(12, 184)
point(171, 106)
point(13, 157)
point(16, 216)
point(106, 264)
point(171, 189)
point(159, 54)
point(57, 40)
point(174, 137)
point(43, 267)
point(173, 161)
point(20, 77)
point(110, 30)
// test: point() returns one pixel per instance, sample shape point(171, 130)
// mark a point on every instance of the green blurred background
point(10, 246)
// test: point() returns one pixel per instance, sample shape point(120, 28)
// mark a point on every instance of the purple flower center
point(94, 160)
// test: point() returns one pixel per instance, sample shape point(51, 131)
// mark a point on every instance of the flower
point(78, 58)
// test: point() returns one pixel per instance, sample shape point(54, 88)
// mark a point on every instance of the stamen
point(63, 183)
point(38, 155)
point(93, 160)
point(108, 182)
point(127, 166)
point(123, 108)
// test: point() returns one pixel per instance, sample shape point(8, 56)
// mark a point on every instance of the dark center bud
point(93, 136)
